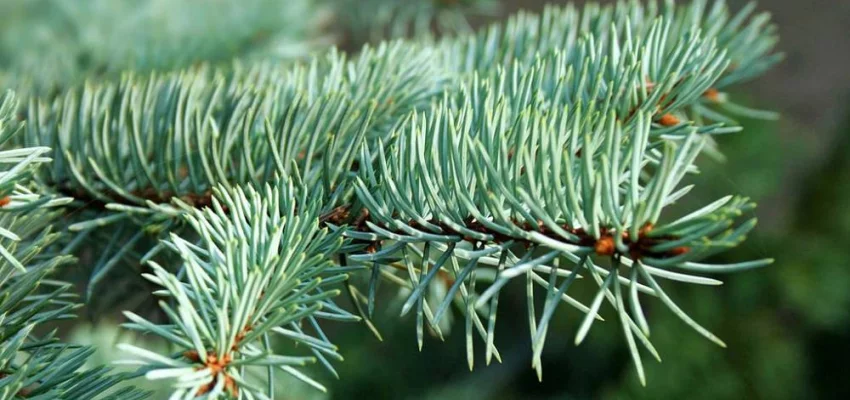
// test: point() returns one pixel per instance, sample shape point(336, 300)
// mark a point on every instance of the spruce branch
point(32, 364)
point(126, 150)
point(262, 272)
point(571, 159)
point(746, 39)
point(581, 186)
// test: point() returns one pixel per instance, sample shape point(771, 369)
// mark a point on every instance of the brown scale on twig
point(669, 120)
point(240, 336)
point(605, 246)
point(361, 219)
point(336, 216)
point(712, 94)
point(218, 367)
point(642, 247)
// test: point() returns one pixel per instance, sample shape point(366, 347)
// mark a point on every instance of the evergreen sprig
point(241, 125)
point(34, 364)
point(746, 40)
point(574, 155)
point(261, 273)
point(463, 192)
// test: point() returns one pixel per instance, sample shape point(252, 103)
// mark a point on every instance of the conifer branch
point(262, 273)
point(34, 365)
point(220, 127)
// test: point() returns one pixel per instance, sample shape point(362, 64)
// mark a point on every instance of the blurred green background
point(787, 327)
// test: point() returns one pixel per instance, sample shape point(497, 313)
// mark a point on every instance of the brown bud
point(645, 229)
point(669, 120)
point(230, 386)
point(680, 250)
point(604, 246)
point(712, 94)
point(192, 355)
